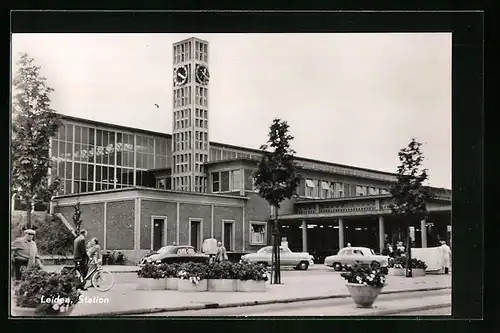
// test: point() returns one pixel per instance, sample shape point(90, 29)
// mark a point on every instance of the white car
point(350, 256)
point(298, 260)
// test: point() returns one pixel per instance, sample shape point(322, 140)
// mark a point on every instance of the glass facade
point(87, 158)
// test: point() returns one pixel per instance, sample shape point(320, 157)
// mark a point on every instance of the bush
point(366, 276)
point(221, 270)
point(170, 270)
point(249, 271)
point(52, 236)
point(151, 271)
point(36, 283)
point(400, 262)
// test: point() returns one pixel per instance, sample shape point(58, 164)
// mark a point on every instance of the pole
point(408, 252)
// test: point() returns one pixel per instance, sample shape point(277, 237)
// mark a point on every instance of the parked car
point(349, 256)
point(175, 254)
point(298, 260)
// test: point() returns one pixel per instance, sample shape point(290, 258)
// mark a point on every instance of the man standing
point(80, 255)
point(446, 255)
point(221, 254)
point(25, 252)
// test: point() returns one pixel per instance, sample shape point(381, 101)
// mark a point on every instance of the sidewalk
point(124, 299)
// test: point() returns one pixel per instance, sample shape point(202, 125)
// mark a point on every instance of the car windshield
point(165, 249)
point(267, 249)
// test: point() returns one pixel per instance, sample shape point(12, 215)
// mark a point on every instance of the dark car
point(175, 254)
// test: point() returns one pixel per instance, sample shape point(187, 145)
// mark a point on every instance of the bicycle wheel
point(102, 280)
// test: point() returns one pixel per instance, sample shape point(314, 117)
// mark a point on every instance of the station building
point(140, 190)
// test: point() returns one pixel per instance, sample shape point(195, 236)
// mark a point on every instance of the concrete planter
point(363, 296)
point(150, 284)
point(250, 286)
point(397, 271)
point(171, 283)
point(17, 311)
point(222, 285)
point(416, 272)
point(188, 286)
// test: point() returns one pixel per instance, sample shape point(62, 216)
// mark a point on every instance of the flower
point(55, 306)
point(63, 309)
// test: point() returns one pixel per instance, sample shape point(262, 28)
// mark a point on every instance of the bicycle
point(97, 275)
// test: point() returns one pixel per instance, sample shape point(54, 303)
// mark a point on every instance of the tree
point(409, 194)
point(76, 217)
point(33, 124)
point(276, 179)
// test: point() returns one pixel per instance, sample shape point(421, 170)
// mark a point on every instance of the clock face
point(180, 76)
point(202, 75)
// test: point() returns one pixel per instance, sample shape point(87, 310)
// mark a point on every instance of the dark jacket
point(79, 248)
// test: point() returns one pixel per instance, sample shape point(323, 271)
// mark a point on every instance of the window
point(235, 180)
point(249, 180)
point(340, 190)
point(310, 186)
point(215, 182)
point(258, 232)
point(325, 190)
point(161, 183)
point(224, 179)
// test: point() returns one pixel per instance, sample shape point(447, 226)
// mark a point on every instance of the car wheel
point(303, 265)
point(337, 267)
point(375, 265)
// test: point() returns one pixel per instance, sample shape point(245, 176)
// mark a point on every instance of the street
point(332, 307)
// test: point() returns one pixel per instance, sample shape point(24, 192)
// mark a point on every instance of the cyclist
point(94, 254)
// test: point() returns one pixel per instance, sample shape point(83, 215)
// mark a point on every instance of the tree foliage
point(276, 177)
point(409, 193)
point(33, 124)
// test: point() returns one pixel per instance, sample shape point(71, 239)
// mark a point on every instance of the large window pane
point(61, 132)
point(69, 133)
point(91, 136)
point(248, 179)
point(84, 172)
point(55, 148)
point(78, 134)
point(90, 172)
point(224, 181)
point(235, 180)
point(62, 150)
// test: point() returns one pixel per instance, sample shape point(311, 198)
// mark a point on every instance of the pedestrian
point(400, 249)
point(25, 253)
point(80, 256)
point(221, 254)
point(445, 256)
point(390, 249)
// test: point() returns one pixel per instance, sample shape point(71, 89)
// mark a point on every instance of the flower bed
point(251, 277)
point(193, 277)
point(41, 293)
point(151, 277)
point(222, 276)
point(171, 272)
point(398, 267)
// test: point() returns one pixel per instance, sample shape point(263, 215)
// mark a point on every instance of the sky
point(353, 99)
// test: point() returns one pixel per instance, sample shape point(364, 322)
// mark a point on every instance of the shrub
point(151, 271)
point(52, 236)
point(400, 262)
point(36, 283)
point(249, 271)
point(193, 271)
point(170, 270)
point(221, 270)
point(366, 276)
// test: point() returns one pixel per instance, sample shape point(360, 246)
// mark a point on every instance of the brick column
point(341, 233)
point(423, 232)
point(304, 236)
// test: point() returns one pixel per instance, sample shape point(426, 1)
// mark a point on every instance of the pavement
point(317, 283)
point(385, 305)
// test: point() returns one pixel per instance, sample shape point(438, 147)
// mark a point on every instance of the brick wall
point(187, 211)
point(158, 208)
point(92, 219)
point(120, 225)
point(229, 213)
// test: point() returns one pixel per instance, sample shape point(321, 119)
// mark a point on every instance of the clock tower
point(190, 142)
